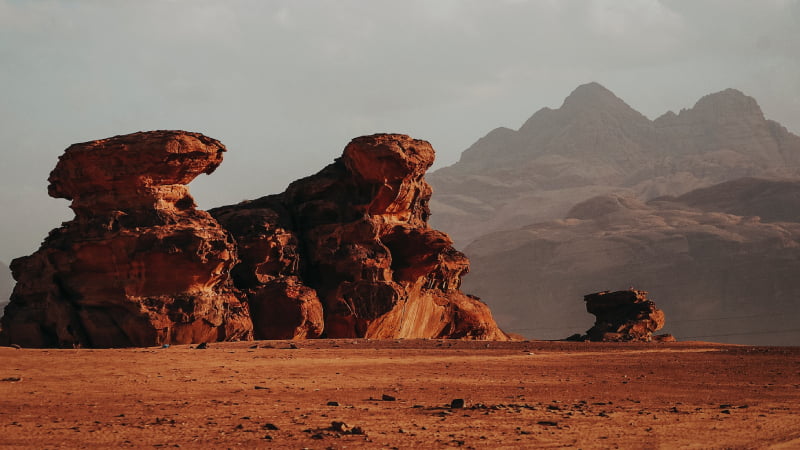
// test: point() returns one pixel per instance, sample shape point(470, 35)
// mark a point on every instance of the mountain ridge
point(596, 143)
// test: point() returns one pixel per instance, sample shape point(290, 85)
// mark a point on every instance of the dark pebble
point(457, 403)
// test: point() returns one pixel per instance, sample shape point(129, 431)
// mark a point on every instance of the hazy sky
point(286, 84)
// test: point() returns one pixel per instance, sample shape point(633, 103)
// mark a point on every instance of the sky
point(285, 85)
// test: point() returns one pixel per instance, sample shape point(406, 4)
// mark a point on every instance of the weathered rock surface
point(348, 252)
point(718, 275)
point(139, 265)
point(596, 144)
point(623, 316)
point(343, 253)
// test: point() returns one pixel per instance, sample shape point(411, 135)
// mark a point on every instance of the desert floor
point(279, 394)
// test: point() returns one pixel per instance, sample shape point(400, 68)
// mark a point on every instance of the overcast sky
point(286, 84)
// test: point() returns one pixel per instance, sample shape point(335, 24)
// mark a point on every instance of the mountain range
point(700, 208)
point(596, 144)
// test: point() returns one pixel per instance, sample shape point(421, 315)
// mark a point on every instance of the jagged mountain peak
point(718, 107)
point(592, 94)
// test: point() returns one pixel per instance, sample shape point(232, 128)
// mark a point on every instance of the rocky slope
point(596, 144)
point(343, 253)
point(719, 271)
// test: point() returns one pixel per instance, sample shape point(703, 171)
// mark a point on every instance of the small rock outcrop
point(623, 316)
point(348, 253)
point(139, 265)
point(343, 253)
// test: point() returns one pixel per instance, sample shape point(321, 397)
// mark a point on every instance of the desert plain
point(357, 393)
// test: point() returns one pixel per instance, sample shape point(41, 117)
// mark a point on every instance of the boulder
point(139, 265)
point(623, 316)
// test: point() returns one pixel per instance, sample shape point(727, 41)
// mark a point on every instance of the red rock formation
point(353, 242)
point(344, 253)
point(623, 316)
point(267, 277)
point(139, 265)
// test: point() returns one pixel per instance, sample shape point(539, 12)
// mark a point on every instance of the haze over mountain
point(596, 144)
point(719, 271)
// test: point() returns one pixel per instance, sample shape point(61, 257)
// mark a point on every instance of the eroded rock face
point(348, 252)
point(343, 253)
point(623, 316)
point(139, 265)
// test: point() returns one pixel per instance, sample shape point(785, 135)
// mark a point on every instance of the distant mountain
point(722, 262)
point(6, 286)
point(596, 144)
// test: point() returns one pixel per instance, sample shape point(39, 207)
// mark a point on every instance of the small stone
point(270, 426)
point(388, 398)
point(333, 403)
point(340, 427)
point(726, 411)
point(457, 403)
point(165, 346)
point(260, 387)
point(202, 346)
point(547, 423)
point(15, 346)
point(12, 379)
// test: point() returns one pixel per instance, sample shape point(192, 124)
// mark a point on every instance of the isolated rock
point(623, 316)
point(352, 244)
point(139, 265)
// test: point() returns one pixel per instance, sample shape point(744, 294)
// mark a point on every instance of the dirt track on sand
point(534, 394)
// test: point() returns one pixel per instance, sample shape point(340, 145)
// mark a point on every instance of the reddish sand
point(517, 395)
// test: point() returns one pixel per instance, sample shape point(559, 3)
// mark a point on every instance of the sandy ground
point(398, 394)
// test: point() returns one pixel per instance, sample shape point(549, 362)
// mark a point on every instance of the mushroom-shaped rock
point(139, 265)
point(623, 316)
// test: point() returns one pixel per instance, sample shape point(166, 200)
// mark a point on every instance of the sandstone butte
point(344, 253)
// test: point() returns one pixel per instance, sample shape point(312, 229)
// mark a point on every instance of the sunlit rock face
point(348, 252)
point(343, 253)
point(139, 265)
